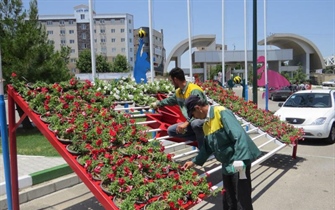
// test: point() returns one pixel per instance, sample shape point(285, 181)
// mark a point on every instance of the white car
point(312, 110)
point(330, 83)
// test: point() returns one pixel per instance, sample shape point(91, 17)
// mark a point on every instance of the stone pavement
point(33, 170)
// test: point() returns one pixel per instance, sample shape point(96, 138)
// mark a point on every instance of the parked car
point(312, 110)
point(280, 94)
point(330, 83)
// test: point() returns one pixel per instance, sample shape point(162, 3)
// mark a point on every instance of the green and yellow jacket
point(226, 139)
point(180, 96)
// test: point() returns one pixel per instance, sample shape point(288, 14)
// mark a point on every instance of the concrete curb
point(39, 177)
point(42, 189)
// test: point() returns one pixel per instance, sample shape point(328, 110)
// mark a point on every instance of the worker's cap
point(190, 103)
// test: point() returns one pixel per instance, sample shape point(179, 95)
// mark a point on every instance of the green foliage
point(299, 75)
point(84, 63)
point(25, 48)
point(214, 71)
point(286, 75)
point(120, 64)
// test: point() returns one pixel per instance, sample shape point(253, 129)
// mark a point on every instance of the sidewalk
point(32, 170)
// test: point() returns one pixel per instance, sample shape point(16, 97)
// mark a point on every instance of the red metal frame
point(167, 117)
point(94, 186)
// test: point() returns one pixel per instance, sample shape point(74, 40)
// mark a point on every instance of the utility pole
point(254, 53)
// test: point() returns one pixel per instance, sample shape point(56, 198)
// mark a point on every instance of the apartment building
point(113, 34)
point(159, 53)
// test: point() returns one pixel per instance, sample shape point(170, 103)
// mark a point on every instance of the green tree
point(25, 47)
point(299, 75)
point(120, 64)
point(84, 62)
point(215, 70)
point(286, 75)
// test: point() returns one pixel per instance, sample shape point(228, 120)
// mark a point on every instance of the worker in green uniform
point(231, 145)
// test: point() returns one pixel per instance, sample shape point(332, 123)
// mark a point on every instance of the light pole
point(4, 140)
point(92, 41)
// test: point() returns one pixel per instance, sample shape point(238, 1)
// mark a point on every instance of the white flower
point(117, 97)
point(131, 97)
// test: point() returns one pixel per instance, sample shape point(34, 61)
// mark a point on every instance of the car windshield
point(317, 100)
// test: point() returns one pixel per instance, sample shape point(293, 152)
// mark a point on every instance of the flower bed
point(112, 149)
point(116, 153)
point(263, 119)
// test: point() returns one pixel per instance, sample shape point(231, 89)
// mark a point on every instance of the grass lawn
point(32, 142)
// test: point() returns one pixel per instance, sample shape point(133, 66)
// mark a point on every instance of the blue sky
point(312, 19)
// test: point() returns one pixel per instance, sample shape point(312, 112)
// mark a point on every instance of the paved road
point(304, 183)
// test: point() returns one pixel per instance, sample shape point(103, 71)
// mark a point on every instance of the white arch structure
point(304, 51)
point(182, 47)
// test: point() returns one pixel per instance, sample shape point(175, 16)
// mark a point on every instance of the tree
point(25, 48)
point(120, 64)
point(84, 63)
point(299, 75)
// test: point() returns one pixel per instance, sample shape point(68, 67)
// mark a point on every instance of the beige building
point(113, 34)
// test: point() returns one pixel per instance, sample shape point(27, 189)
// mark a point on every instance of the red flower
point(121, 181)
point(13, 74)
point(98, 142)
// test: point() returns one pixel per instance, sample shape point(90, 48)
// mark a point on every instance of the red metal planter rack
point(166, 117)
point(14, 98)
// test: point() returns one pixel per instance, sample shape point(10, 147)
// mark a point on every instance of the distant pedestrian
point(230, 84)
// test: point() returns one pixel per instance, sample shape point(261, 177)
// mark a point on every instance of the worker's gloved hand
point(238, 165)
point(154, 105)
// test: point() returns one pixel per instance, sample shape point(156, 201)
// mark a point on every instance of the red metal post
point(13, 153)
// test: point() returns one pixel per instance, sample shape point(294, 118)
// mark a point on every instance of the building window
point(123, 49)
point(112, 30)
point(130, 49)
point(61, 22)
point(103, 40)
point(50, 32)
point(83, 26)
point(70, 22)
point(113, 20)
point(71, 41)
point(104, 50)
point(113, 40)
point(122, 30)
point(130, 40)
point(73, 50)
point(73, 70)
point(129, 21)
point(95, 40)
point(49, 22)
point(113, 49)
point(102, 21)
point(82, 16)
point(131, 58)
point(95, 31)
point(71, 31)
point(130, 31)
point(63, 41)
point(102, 31)
point(72, 60)
point(122, 20)
point(83, 36)
point(51, 42)
point(122, 39)
point(83, 46)
point(62, 32)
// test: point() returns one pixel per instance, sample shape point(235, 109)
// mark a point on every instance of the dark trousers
point(237, 195)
